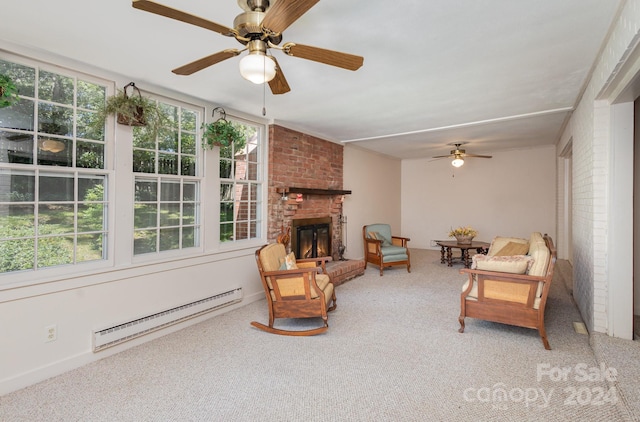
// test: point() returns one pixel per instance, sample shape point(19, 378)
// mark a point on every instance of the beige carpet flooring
point(392, 353)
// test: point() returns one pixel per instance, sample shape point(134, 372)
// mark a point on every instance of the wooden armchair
point(383, 249)
point(511, 298)
point(302, 292)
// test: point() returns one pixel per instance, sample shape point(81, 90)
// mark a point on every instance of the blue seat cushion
point(394, 253)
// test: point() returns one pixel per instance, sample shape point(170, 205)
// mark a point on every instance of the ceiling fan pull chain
point(264, 87)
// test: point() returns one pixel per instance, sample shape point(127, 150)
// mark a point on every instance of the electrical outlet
point(50, 333)
point(433, 243)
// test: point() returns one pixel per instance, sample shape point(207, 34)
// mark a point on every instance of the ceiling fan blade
point(285, 12)
point(443, 156)
point(330, 57)
point(477, 156)
point(159, 9)
point(200, 64)
point(278, 84)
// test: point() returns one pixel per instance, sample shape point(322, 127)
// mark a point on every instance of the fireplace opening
point(311, 237)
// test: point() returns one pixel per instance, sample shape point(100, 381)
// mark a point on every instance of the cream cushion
point(271, 256)
point(540, 254)
point(290, 261)
point(513, 248)
point(517, 264)
point(500, 242)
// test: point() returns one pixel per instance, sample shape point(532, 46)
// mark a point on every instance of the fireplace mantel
point(308, 191)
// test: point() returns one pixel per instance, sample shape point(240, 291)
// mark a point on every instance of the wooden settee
point(510, 289)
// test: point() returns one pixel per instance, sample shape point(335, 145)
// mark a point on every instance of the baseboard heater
point(120, 333)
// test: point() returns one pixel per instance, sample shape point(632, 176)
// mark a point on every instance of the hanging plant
point(221, 133)
point(8, 92)
point(133, 110)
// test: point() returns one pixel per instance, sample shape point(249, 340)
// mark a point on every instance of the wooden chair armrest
point(399, 239)
point(291, 273)
point(524, 278)
point(370, 240)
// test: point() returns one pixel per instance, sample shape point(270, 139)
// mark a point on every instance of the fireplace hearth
point(311, 237)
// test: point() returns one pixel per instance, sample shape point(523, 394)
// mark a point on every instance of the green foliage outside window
point(8, 91)
point(55, 229)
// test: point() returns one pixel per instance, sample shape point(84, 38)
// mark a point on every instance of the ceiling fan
point(259, 28)
point(459, 155)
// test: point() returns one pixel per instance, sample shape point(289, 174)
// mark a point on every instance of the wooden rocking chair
point(302, 292)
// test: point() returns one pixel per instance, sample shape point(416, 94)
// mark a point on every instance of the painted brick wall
point(560, 240)
point(589, 129)
point(300, 160)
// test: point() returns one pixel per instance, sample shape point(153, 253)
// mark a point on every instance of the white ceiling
point(496, 74)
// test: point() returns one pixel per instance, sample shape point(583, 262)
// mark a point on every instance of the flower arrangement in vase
point(463, 235)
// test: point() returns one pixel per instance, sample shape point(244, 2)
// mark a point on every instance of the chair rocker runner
point(302, 292)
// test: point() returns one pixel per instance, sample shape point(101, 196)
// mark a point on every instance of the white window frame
point(198, 179)
point(37, 275)
point(261, 188)
point(119, 196)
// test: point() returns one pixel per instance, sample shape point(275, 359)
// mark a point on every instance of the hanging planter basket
point(135, 115)
point(221, 133)
point(130, 108)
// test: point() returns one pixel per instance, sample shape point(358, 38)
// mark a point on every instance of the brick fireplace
point(305, 183)
point(303, 161)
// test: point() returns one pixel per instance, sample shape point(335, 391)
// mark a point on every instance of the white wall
point(511, 194)
point(375, 182)
point(118, 290)
point(105, 300)
point(594, 208)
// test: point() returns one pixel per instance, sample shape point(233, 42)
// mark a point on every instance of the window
point(57, 173)
point(53, 184)
point(167, 184)
point(241, 186)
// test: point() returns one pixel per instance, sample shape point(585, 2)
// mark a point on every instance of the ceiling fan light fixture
point(51, 145)
point(457, 162)
point(257, 67)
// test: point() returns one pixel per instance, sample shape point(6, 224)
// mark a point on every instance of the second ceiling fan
point(459, 155)
point(259, 28)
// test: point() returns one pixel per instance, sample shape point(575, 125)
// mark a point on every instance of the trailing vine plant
point(133, 110)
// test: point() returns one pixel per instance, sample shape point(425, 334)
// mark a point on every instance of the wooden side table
point(447, 245)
